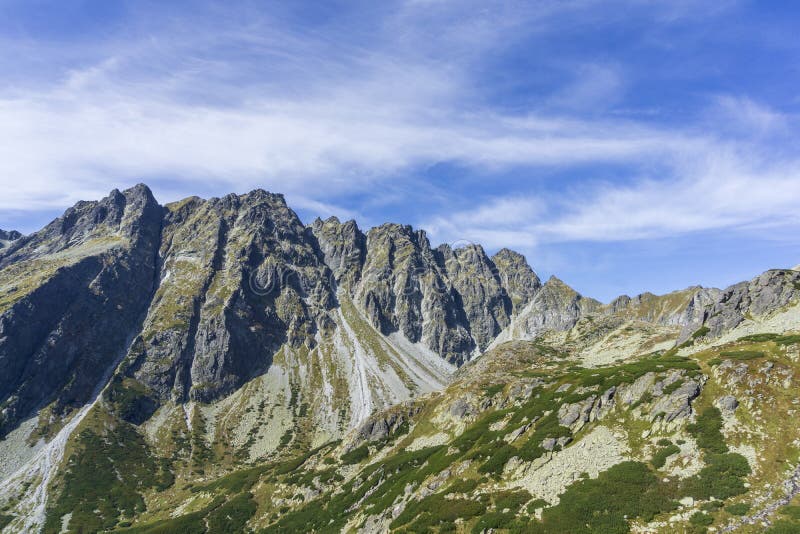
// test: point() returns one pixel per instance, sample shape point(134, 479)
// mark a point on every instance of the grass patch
point(722, 477)
point(422, 516)
point(186, 524)
point(493, 390)
point(233, 515)
point(783, 527)
point(701, 519)
point(775, 338)
point(742, 355)
point(788, 340)
point(497, 461)
point(385, 481)
point(792, 511)
point(511, 500)
point(724, 473)
point(700, 332)
point(537, 504)
point(494, 521)
point(357, 455)
point(759, 338)
point(235, 482)
point(466, 485)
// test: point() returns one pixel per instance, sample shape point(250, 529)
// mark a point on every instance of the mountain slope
point(169, 363)
point(72, 294)
point(524, 440)
point(220, 286)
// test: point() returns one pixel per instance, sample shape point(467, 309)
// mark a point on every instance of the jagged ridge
point(247, 331)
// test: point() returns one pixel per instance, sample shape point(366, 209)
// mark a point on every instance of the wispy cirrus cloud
point(232, 99)
point(94, 125)
point(724, 190)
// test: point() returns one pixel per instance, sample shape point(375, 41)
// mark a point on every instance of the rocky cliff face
point(455, 302)
point(237, 279)
point(7, 238)
point(767, 292)
point(71, 296)
point(10, 235)
point(200, 295)
point(555, 306)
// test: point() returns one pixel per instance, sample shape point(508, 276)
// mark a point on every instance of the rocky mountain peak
point(11, 235)
point(556, 284)
point(517, 277)
point(8, 238)
point(212, 291)
point(343, 247)
point(79, 287)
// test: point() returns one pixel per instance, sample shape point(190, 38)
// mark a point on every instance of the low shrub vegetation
point(105, 478)
point(606, 504)
point(738, 509)
point(742, 355)
point(357, 455)
point(661, 456)
point(707, 430)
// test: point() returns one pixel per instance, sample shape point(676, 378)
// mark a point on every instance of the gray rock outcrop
point(767, 292)
point(72, 295)
point(727, 404)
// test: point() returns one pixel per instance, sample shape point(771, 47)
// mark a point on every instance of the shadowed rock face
point(11, 235)
point(343, 247)
point(238, 278)
point(487, 306)
point(73, 293)
point(517, 277)
point(7, 239)
point(453, 301)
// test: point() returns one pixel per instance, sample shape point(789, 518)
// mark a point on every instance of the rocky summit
point(219, 366)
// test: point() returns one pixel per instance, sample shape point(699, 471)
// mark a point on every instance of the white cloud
point(595, 87)
point(501, 222)
point(94, 128)
point(727, 190)
point(319, 118)
point(743, 116)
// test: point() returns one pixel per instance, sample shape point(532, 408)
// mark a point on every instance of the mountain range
point(219, 366)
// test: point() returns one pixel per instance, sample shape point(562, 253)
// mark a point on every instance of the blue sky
point(624, 145)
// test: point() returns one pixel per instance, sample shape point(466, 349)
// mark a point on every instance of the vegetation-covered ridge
point(678, 444)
